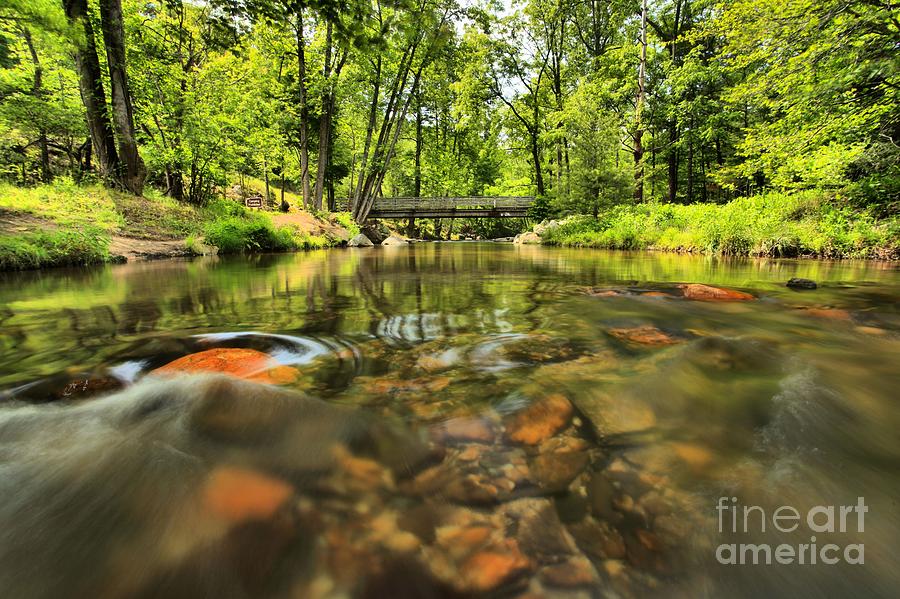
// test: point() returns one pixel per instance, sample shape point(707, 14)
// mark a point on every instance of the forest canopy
point(584, 104)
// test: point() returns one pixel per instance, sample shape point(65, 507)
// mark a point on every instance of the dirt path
point(307, 223)
point(132, 249)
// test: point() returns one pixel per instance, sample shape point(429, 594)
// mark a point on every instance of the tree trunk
point(638, 109)
point(132, 171)
point(266, 171)
point(37, 90)
point(417, 173)
point(304, 112)
point(536, 157)
point(324, 121)
point(284, 207)
point(673, 161)
point(90, 84)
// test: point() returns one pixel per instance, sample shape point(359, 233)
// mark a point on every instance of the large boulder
point(360, 241)
point(375, 230)
point(527, 238)
point(545, 226)
point(394, 240)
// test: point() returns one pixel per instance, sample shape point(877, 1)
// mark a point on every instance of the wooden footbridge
point(468, 207)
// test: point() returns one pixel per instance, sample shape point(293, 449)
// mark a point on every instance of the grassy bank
point(775, 224)
point(69, 224)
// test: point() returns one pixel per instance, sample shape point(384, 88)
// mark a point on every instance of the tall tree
point(132, 171)
point(90, 81)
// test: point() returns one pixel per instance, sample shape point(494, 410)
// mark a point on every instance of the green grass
point(345, 219)
point(82, 219)
point(774, 224)
point(54, 248)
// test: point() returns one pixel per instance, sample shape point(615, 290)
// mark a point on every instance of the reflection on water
point(459, 420)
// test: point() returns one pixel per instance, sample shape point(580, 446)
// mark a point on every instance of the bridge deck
point(465, 207)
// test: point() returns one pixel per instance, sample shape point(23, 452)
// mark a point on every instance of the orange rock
point(541, 420)
point(488, 569)
point(239, 362)
point(696, 291)
point(461, 542)
point(239, 495)
point(654, 294)
point(604, 293)
point(831, 313)
point(645, 335)
point(696, 456)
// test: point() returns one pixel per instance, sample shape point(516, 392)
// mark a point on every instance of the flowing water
point(449, 420)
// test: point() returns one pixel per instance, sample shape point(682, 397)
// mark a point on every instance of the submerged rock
point(697, 291)
point(797, 283)
point(239, 495)
point(614, 415)
point(478, 430)
point(829, 313)
point(539, 421)
point(553, 472)
point(360, 241)
point(644, 335)
point(490, 568)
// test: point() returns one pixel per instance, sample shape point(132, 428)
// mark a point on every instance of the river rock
point(243, 363)
point(394, 240)
point(697, 291)
point(574, 572)
point(538, 530)
point(553, 472)
point(797, 283)
point(539, 421)
point(455, 430)
point(490, 568)
point(240, 495)
point(360, 241)
point(598, 539)
point(615, 415)
point(529, 238)
point(644, 335)
point(545, 226)
point(828, 313)
point(375, 230)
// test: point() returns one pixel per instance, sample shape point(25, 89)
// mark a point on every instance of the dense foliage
point(584, 104)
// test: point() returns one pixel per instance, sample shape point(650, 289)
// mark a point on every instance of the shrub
point(345, 219)
point(773, 224)
point(253, 233)
point(54, 248)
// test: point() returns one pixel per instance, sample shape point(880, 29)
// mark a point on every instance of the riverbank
point(65, 224)
point(806, 224)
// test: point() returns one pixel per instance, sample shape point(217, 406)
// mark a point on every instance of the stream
point(450, 420)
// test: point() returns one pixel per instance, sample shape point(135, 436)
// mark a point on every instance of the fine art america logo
point(821, 519)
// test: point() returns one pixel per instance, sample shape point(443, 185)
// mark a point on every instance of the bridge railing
point(449, 203)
